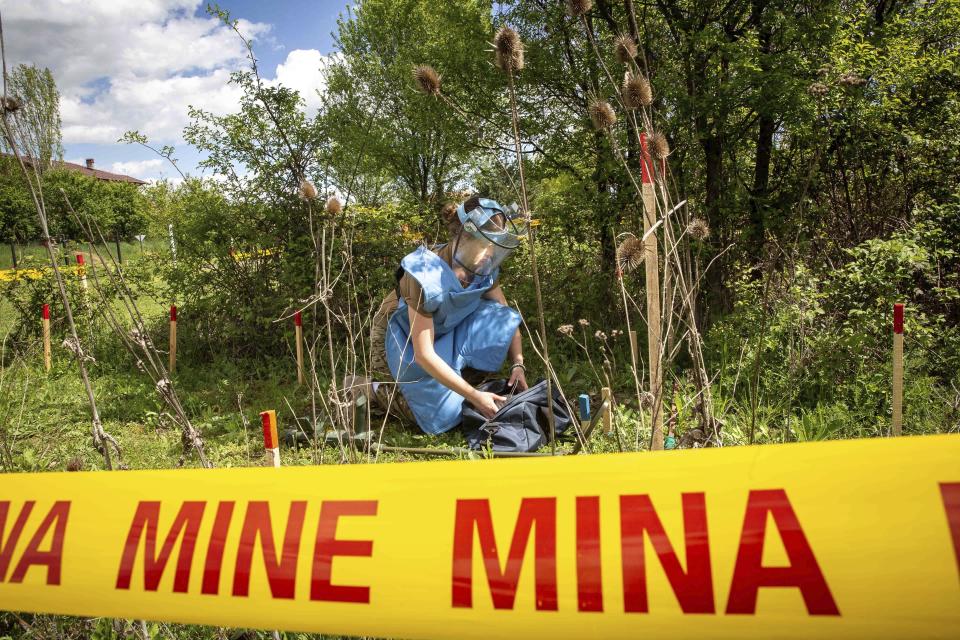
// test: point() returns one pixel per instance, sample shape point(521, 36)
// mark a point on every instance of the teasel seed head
point(818, 90)
point(698, 229)
point(307, 190)
point(851, 79)
point(636, 91)
point(602, 114)
point(630, 254)
point(659, 147)
point(509, 49)
point(334, 206)
point(75, 464)
point(646, 400)
point(577, 8)
point(427, 79)
point(448, 213)
point(625, 48)
point(11, 104)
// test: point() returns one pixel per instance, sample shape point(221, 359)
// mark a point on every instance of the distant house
point(88, 169)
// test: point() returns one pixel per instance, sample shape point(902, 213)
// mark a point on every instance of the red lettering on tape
point(145, 524)
point(328, 545)
point(693, 587)
point(538, 514)
point(950, 492)
point(589, 574)
point(282, 571)
point(803, 572)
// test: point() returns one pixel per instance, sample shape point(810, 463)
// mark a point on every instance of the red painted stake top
point(646, 168)
point(898, 318)
point(46, 312)
point(80, 259)
point(297, 319)
point(269, 419)
point(173, 313)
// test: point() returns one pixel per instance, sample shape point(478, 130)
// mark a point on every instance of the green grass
point(35, 254)
point(45, 423)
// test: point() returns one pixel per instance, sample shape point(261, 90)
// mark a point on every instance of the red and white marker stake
point(270, 440)
point(173, 338)
point(46, 336)
point(897, 369)
point(652, 267)
point(81, 270)
point(298, 330)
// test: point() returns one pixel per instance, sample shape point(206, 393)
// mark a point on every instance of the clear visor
point(486, 241)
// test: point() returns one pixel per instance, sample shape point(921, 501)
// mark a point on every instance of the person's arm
point(515, 353)
point(421, 337)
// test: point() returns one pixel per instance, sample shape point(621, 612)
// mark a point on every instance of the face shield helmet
point(488, 235)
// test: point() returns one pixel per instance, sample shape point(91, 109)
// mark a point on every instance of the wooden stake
point(652, 265)
point(608, 414)
point(173, 338)
point(298, 330)
point(46, 337)
point(82, 271)
point(897, 369)
point(270, 440)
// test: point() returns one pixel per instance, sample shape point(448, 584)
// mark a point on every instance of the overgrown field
point(800, 163)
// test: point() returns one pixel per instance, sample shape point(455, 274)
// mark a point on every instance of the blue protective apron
point(469, 331)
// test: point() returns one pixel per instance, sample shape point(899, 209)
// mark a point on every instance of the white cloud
point(302, 71)
point(128, 64)
point(137, 168)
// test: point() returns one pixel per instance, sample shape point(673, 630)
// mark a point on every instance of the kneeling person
point(448, 316)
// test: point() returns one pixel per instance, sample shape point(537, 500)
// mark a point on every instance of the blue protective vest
point(469, 330)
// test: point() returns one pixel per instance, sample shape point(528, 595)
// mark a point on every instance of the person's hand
point(518, 377)
point(486, 403)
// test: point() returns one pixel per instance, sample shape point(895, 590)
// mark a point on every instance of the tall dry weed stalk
point(635, 97)
point(136, 339)
point(102, 441)
point(509, 58)
point(326, 229)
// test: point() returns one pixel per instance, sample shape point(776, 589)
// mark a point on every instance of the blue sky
point(138, 64)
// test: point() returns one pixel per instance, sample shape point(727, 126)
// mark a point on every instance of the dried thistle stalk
point(427, 79)
point(659, 146)
point(578, 8)
point(635, 91)
point(508, 50)
point(601, 114)
point(625, 48)
point(630, 254)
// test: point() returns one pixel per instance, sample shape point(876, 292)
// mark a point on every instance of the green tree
point(36, 120)
point(374, 108)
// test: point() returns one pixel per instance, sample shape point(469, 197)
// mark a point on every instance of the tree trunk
point(764, 151)
point(760, 190)
point(718, 301)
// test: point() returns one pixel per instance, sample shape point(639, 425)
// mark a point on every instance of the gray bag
point(521, 424)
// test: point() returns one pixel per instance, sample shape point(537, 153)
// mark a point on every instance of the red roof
point(99, 174)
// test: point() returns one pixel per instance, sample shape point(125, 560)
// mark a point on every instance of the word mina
point(472, 523)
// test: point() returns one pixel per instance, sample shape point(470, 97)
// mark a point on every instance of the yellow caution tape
point(840, 539)
point(9, 275)
point(258, 253)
